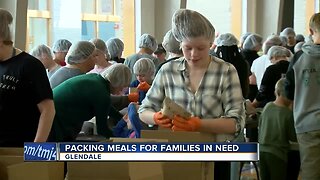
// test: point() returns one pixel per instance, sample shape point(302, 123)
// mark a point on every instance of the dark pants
point(272, 167)
point(222, 170)
point(293, 167)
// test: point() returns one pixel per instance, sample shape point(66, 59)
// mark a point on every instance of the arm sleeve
point(37, 80)
point(265, 87)
point(155, 95)
point(233, 102)
point(291, 130)
point(290, 79)
point(115, 115)
point(102, 106)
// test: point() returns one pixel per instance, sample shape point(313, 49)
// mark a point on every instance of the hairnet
point(272, 40)
point(252, 41)
point(115, 47)
point(279, 51)
point(226, 39)
point(119, 75)
point(244, 37)
point(288, 32)
point(101, 45)
point(300, 38)
point(160, 50)
point(62, 45)
point(6, 21)
point(40, 50)
point(144, 66)
point(170, 43)
point(284, 40)
point(298, 46)
point(148, 41)
point(187, 24)
point(79, 52)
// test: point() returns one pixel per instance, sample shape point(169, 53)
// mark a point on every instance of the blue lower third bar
point(40, 151)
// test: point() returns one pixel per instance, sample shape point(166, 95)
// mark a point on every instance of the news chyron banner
point(141, 151)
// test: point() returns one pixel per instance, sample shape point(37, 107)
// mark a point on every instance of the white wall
point(216, 11)
point(267, 17)
point(163, 15)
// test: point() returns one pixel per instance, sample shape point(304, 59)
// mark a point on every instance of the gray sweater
point(303, 84)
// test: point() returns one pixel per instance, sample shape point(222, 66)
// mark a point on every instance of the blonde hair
point(6, 20)
point(314, 22)
point(280, 87)
point(119, 75)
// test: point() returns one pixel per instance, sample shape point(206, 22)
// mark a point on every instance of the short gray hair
point(40, 50)
point(144, 66)
point(119, 75)
point(187, 24)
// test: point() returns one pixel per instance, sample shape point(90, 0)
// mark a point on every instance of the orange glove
point(143, 86)
point(162, 120)
point(181, 124)
point(133, 97)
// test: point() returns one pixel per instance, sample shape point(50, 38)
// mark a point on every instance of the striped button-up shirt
point(219, 93)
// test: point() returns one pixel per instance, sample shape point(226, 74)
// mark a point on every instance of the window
point(38, 23)
point(50, 20)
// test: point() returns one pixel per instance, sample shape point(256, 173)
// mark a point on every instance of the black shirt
point(23, 84)
point(270, 77)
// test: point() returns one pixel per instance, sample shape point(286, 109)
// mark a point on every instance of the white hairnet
point(300, 38)
point(148, 41)
point(284, 40)
point(252, 41)
point(279, 51)
point(62, 45)
point(79, 52)
point(288, 32)
point(115, 47)
point(40, 50)
point(101, 45)
point(272, 40)
point(119, 75)
point(244, 37)
point(187, 24)
point(298, 46)
point(144, 66)
point(170, 43)
point(226, 39)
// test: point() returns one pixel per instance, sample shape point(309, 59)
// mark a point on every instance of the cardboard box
point(184, 170)
point(117, 170)
point(13, 167)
